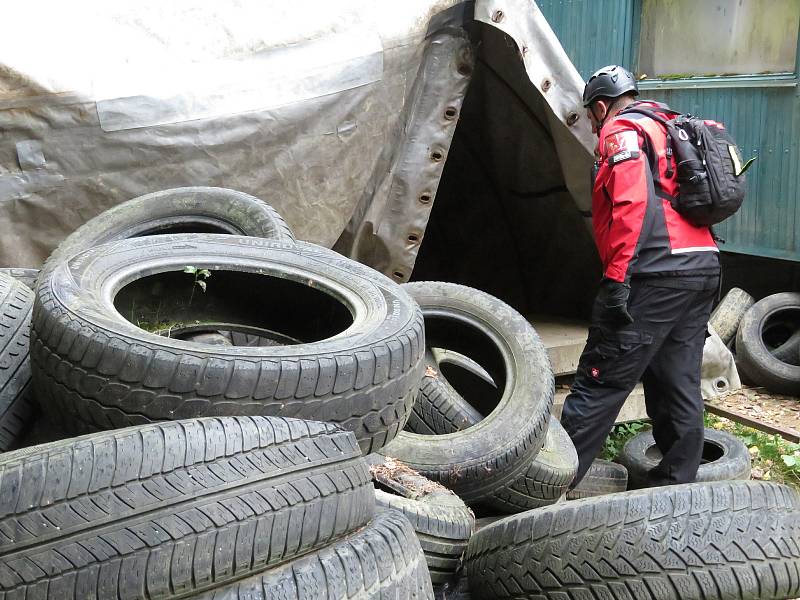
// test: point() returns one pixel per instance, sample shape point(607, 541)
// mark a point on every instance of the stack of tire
point(767, 338)
point(496, 446)
point(227, 379)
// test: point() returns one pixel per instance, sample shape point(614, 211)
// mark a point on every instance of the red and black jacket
point(637, 231)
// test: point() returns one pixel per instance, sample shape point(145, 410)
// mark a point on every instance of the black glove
point(612, 302)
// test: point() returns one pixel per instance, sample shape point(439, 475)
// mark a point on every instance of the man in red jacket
point(660, 277)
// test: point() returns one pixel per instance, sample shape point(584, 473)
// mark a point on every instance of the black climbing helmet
point(609, 82)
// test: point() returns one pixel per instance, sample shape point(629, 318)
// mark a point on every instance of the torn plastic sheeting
point(555, 77)
point(266, 80)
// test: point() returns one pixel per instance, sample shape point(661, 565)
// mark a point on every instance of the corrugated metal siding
point(594, 33)
point(764, 121)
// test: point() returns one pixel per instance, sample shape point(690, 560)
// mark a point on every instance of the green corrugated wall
point(765, 121)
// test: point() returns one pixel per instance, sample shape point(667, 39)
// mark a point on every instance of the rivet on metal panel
point(497, 16)
point(425, 197)
point(450, 113)
point(572, 118)
point(437, 155)
point(546, 85)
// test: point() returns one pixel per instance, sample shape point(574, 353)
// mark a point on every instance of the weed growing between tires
point(619, 436)
point(773, 458)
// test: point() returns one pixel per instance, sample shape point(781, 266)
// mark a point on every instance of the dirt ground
point(764, 410)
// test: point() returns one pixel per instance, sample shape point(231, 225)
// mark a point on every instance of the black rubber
point(727, 315)
point(477, 461)
point(710, 541)
point(92, 366)
point(603, 477)
point(382, 561)
point(754, 358)
point(177, 210)
point(26, 276)
point(441, 520)
point(725, 457)
point(17, 409)
point(788, 351)
point(438, 408)
point(549, 475)
point(172, 509)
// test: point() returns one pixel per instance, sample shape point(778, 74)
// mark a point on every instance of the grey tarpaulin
point(340, 114)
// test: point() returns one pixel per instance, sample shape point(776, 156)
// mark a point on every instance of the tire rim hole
point(290, 311)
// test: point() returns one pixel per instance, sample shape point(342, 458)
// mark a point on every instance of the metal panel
point(765, 123)
point(593, 32)
point(763, 118)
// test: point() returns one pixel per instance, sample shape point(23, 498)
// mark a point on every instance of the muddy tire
point(754, 358)
point(177, 210)
point(725, 457)
point(727, 315)
point(383, 560)
point(494, 452)
point(25, 276)
point(360, 367)
point(603, 477)
point(723, 540)
point(17, 409)
point(175, 508)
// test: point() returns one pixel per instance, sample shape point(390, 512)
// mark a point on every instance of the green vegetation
point(200, 275)
point(619, 436)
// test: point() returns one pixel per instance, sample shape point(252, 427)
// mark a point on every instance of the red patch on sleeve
point(621, 141)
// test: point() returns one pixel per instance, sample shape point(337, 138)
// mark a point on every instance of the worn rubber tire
point(640, 454)
point(603, 477)
point(476, 462)
point(438, 408)
point(727, 315)
point(175, 508)
point(17, 410)
point(711, 541)
point(382, 561)
point(187, 209)
point(441, 520)
point(789, 351)
point(94, 367)
point(25, 276)
point(753, 357)
point(547, 478)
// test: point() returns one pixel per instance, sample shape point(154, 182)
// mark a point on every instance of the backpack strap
point(659, 119)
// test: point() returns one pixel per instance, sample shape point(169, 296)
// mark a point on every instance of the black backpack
point(711, 181)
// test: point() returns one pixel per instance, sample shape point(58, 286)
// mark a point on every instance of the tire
point(753, 357)
point(727, 315)
point(17, 410)
point(731, 540)
point(381, 561)
point(441, 520)
point(438, 408)
point(603, 477)
point(177, 210)
point(476, 462)
point(25, 276)
point(174, 509)
point(549, 475)
point(789, 351)
point(98, 369)
point(725, 457)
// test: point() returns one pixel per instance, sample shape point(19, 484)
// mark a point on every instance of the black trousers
point(663, 348)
